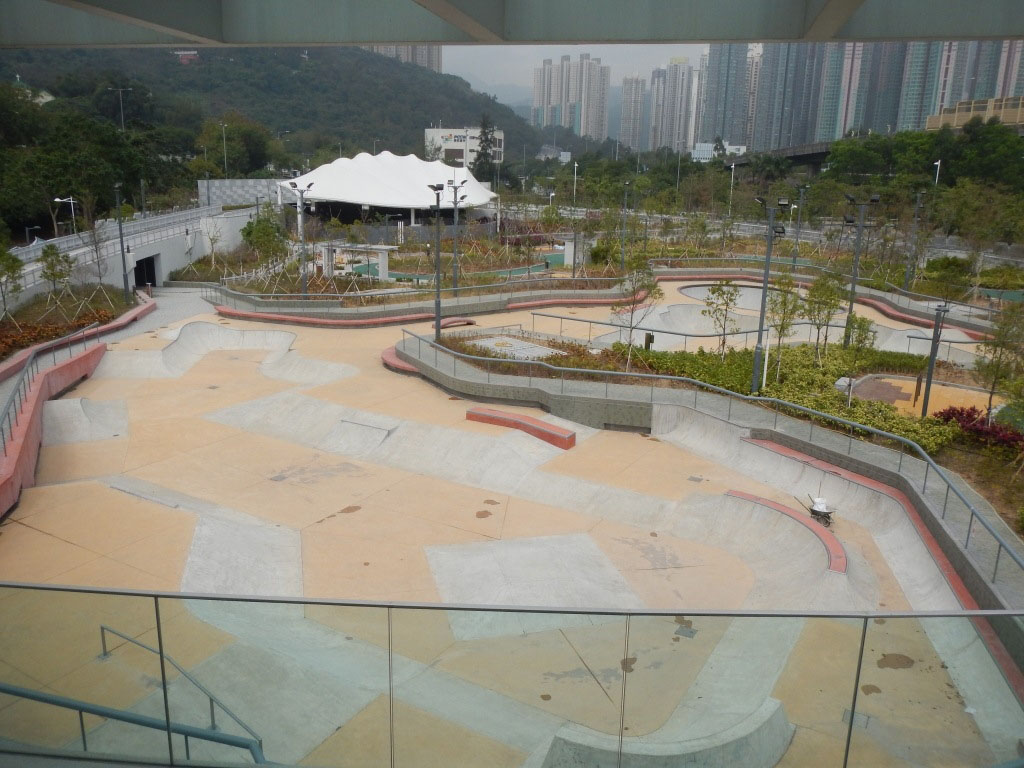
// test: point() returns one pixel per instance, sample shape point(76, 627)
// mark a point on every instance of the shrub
point(972, 421)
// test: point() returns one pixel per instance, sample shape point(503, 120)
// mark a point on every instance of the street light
point(938, 167)
point(120, 99)
point(456, 199)
point(437, 189)
point(30, 229)
point(301, 192)
point(69, 199)
point(224, 139)
point(120, 237)
point(772, 230)
point(732, 180)
point(575, 165)
point(799, 222)
point(861, 209)
point(375, 146)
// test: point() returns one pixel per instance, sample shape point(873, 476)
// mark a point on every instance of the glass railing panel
point(714, 690)
point(51, 645)
point(308, 683)
point(935, 692)
point(491, 688)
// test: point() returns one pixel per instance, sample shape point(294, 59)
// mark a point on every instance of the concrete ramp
point(193, 341)
point(727, 716)
point(894, 533)
point(79, 420)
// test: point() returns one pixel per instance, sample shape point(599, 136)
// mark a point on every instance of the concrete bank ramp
point(79, 420)
point(192, 341)
point(727, 716)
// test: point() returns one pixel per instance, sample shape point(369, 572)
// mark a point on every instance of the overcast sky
point(493, 68)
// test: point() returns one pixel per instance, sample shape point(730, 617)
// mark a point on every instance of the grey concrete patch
point(78, 420)
point(568, 571)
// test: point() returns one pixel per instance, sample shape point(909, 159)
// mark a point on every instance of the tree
point(432, 150)
point(824, 298)
point(1001, 356)
point(784, 307)
point(721, 300)
point(641, 293)
point(862, 338)
point(56, 266)
point(265, 237)
point(483, 166)
point(10, 280)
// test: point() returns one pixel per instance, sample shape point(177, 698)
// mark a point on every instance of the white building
point(450, 145)
point(704, 151)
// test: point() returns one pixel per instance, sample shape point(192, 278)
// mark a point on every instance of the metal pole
point(799, 223)
point(732, 179)
point(455, 237)
point(625, 197)
point(437, 268)
point(912, 256)
point(142, 189)
point(940, 313)
point(120, 237)
point(302, 239)
point(224, 138)
point(759, 348)
point(861, 208)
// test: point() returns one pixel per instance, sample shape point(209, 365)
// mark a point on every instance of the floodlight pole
point(455, 233)
point(625, 198)
point(120, 237)
point(940, 313)
point(769, 239)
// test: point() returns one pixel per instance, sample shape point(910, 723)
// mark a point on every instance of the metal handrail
point(930, 465)
point(16, 399)
point(184, 673)
point(188, 731)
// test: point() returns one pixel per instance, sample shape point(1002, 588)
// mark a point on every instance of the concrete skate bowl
point(679, 319)
point(193, 341)
point(878, 513)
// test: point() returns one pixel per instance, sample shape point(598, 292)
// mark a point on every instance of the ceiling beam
point(193, 21)
point(824, 20)
point(482, 20)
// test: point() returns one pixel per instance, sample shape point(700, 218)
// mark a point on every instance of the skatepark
point(222, 457)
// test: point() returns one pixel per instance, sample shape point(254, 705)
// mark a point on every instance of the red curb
point(837, 561)
point(549, 433)
point(1013, 674)
point(391, 360)
point(16, 362)
point(18, 465)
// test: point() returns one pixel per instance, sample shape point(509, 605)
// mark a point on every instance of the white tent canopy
point(389, 181)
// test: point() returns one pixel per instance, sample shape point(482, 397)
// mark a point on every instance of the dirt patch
point(628, 663)
point(349, 510)
point(990, 476)
point(895, 661)
point(545, 697)
point(867, 690)
point(492, 502)
point(483, 513)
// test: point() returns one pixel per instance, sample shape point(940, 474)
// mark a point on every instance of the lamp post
point(437, 190)
point(938, 167)
point(771, 230)
point(301, 192)
point(679, 161)
point(30, 229)
point(120, 99)
point(861, 210)
point(68, 199)
point(732, 180)
point(799, 222)
point(120, 237)
point(625, 198)
point(940, 313)
point(456, 199)
point(575, 166)
point(908, 274)
point(224, 141)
